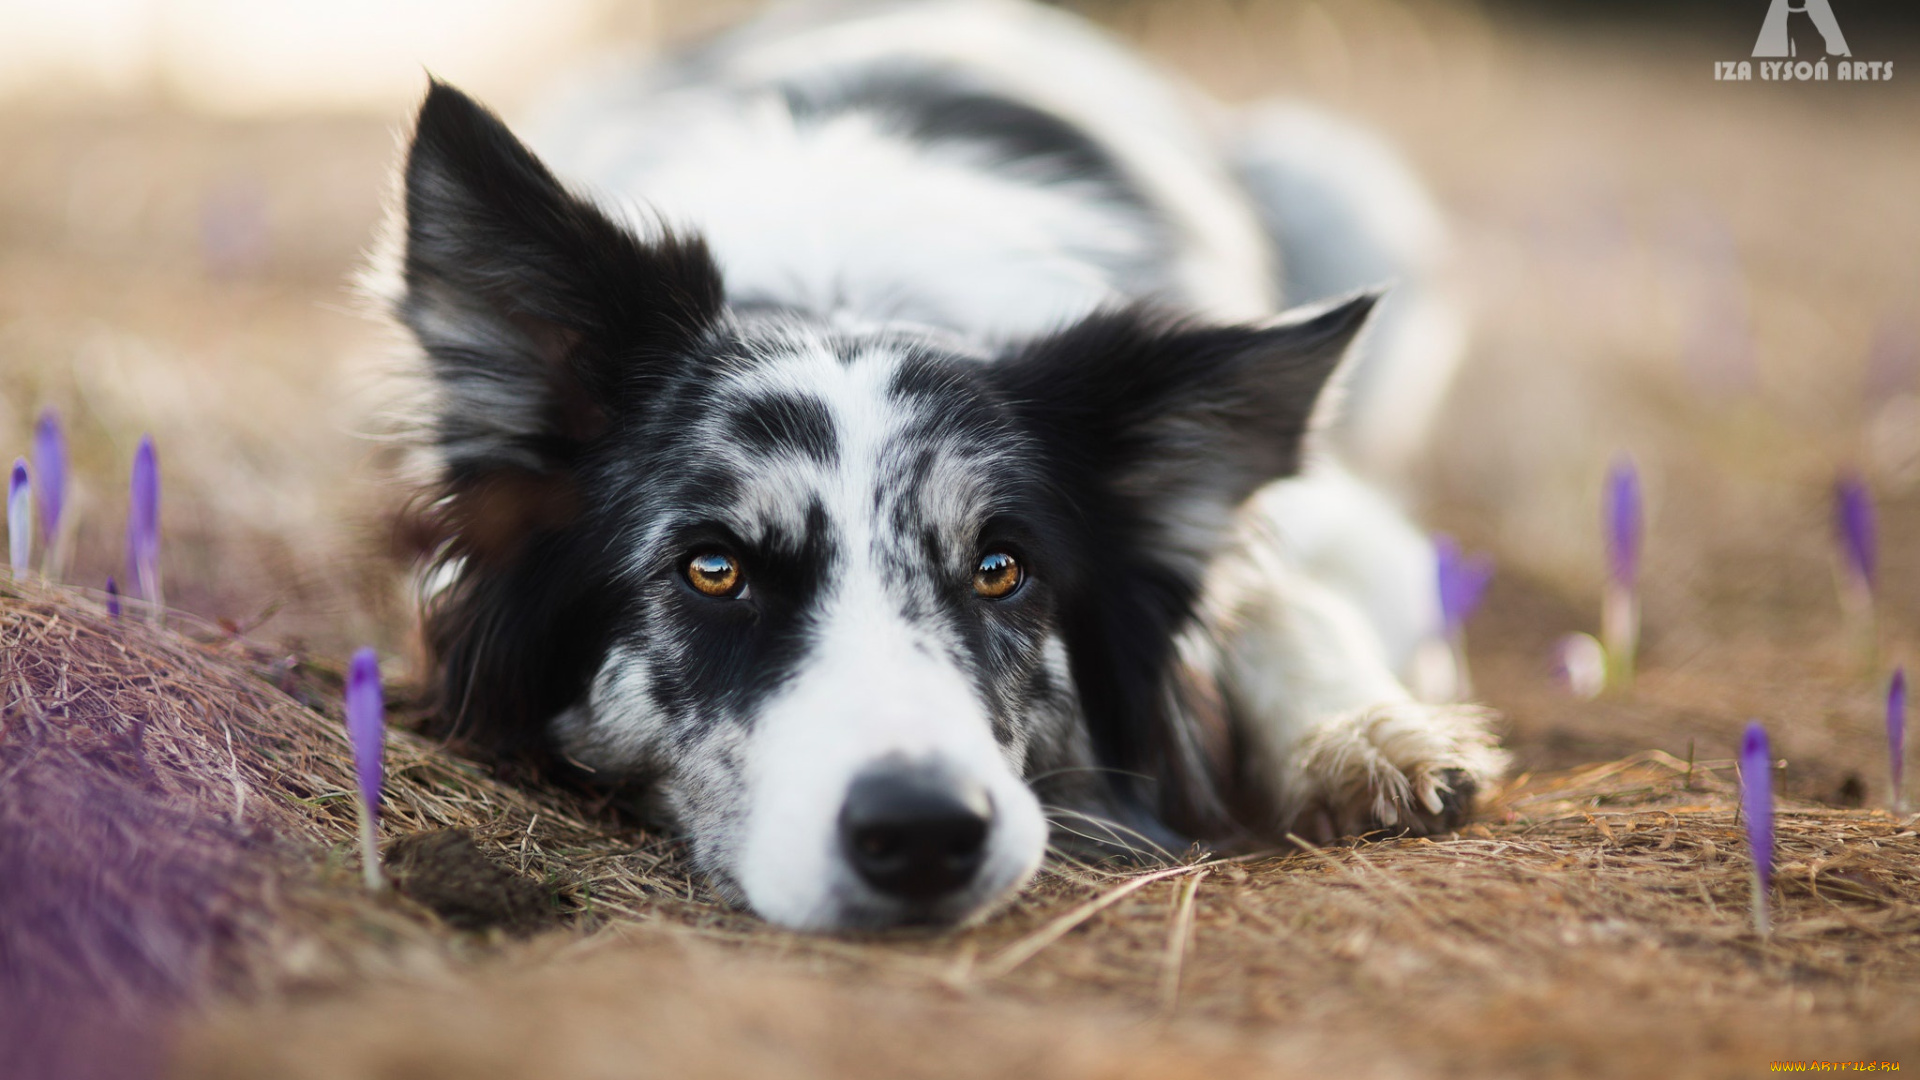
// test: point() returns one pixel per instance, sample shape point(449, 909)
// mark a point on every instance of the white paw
point(1405, 767)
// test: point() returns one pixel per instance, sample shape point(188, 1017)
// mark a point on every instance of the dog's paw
point(1406, 768)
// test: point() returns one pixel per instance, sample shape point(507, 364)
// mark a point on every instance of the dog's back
point(1001, 168)
point(989, 167)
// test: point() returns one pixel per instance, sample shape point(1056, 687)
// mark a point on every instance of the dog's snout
point(915, 832)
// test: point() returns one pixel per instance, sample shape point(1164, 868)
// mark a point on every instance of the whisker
point(1115, 833)
point(1110, 770)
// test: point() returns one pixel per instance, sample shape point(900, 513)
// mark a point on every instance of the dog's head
point(840, 592)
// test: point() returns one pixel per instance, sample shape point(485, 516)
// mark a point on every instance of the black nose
point(915, 831)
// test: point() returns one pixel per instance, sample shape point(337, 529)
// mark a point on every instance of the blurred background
point(1719, 279)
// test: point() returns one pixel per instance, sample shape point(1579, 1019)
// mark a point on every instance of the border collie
point(887, 446)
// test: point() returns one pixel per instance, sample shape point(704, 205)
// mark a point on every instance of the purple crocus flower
point(1625, 522)
point(19, 517)
point(143, 525)
point(113, 598)
point(1853, 521)
point(50, 464)
point(1854, 536)
point(1756, 800)
point(1463, 582)
point(366, 730)
point(1897, 734)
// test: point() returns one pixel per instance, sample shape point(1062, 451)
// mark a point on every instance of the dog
point(886, 448)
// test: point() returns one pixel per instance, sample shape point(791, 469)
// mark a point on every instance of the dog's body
point(936, 482)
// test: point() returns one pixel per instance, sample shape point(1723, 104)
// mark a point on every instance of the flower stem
point(1856, 610)
point(370, 852)
point(1620, 632)
point(1462, 677)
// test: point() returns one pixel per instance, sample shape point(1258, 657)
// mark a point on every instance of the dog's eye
point(996, 575)
point(715, 574)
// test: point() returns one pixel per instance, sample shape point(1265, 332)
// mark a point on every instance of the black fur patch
point(541, 320)
point(784, 423)
point(934, 106)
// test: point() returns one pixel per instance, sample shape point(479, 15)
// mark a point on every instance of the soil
point(446, 872)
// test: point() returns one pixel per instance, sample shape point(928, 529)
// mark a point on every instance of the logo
point(1807, 29)
point(1778, 39)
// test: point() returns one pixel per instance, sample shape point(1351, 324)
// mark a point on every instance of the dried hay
point(1592, 921)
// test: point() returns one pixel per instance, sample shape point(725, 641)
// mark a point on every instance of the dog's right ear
point(539, 315)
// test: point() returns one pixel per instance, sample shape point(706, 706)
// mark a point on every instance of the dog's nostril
point(915, 832)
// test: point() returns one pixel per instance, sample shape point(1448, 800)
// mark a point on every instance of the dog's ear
point(544, 323)
point(1174, 425)
point(1160, 430)
point(539, 315)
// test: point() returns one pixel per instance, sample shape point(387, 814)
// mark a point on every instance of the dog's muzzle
point(916, 832)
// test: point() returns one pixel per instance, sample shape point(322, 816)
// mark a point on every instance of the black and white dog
point(873, 447)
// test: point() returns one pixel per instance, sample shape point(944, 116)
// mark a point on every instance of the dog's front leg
point(1336, 743)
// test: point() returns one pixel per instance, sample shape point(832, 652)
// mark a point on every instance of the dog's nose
point(915, 832)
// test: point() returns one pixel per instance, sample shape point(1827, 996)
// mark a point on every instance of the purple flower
point(50, 464)
point(1854, 527)
point(1624, 522)
point(113, 598)
point(143, 524)
point(1756, 799)
point(366, 724)
point(20, 517)
point(366, 730)
point(1897, 730)
point(1463, 581)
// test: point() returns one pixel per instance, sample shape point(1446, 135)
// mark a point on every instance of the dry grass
point(1581, 906)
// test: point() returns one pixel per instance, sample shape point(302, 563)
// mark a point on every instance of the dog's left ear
point(1160, 430)
point(1174, 425)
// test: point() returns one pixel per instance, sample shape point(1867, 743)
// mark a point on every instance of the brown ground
point(1694, 272)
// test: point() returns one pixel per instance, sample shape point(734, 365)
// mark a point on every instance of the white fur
point(994, 261)
point(875, 687)
point(1327, 592)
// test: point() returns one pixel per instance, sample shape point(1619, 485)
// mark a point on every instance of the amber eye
point(996, 575)
point(714, 574)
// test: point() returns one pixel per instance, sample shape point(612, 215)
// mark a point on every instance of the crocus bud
point(1853, 527)
point(1624, 524)
point(1756, 801)
point(19, 518)
point(1857, 545)
point(1897, 736)
point(366, 730)
point(1463, 582)
point(143, 526)
point(50, 465)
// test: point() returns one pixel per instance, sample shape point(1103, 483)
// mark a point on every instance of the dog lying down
point(872, 433)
